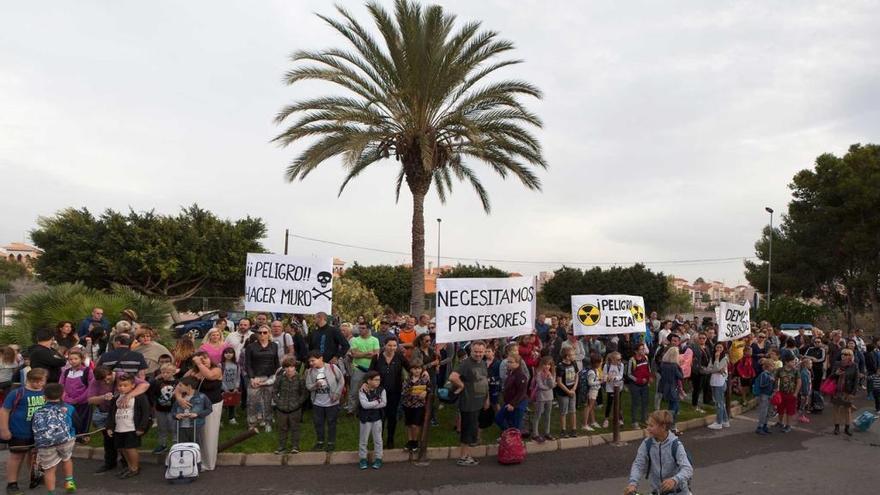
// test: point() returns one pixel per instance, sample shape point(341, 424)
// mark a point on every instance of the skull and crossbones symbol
point(324, 278)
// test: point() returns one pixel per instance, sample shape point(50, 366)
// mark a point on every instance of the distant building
point(705, 294)
point(543, 278)
point(19, 252)
point(338, 267)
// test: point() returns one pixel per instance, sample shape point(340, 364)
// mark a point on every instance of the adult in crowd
point(210, 378)
point(422, 327)
point(672, 340)
point(182, 354)
point(541, 327)
point(760, 348)
point(384, 333)
point(214, 345)
point(97, 316)
point(261, 363)
point(699, 378)
point(121, 326)
point(328, 340)
point(471, 381)
point(638, 379)
point(300, 346)
point(101, 392)
point(123, 359)
point(65, 336)
point(43, 356)
point(130, 316)
point(390, 365)
point(260, 320)
point(846, 373)
point(282, 339)
point(239, 338)
point(716, 370)
point(424, 351)
point(149, 348)
point(835, 346)
point(364, 348)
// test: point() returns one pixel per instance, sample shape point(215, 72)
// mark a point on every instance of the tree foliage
point(352, 298)
point(634, 280)
point(420, 92)
point(172, 257)
point(9, 272)
point(788, 310)
point(827, 245)
point(73, 302)
point(390, 283)
point(680, 301)
point(474, 271)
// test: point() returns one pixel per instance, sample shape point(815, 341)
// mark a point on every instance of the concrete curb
point(434, 453)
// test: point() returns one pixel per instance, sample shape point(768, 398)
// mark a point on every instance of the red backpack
point(511, 449)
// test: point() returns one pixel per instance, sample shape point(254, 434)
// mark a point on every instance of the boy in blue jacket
point(188, 420)
point(765, 384)
point(662, 458)
point(54, 438)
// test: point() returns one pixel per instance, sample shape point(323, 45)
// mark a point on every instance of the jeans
point(354, 388)
point(288, 422)
point(326, 415)
point(721, 415)
point(543, 408)
point(82, 416)
point(673, 408)
point(165, 424)
point(511, 419)
point(259, 410)
point(763, 409)
point(639, 401)
point(374, 429)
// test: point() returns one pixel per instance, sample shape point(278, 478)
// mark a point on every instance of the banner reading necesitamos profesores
point(288, 284)
point(611, 314)
point(484, 308)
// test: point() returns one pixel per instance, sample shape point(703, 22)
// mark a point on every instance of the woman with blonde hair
point(846, 373)
point(182, 353)
point(214, 345)
point(670, 379)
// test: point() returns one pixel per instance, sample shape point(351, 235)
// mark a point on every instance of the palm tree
point(419, 93)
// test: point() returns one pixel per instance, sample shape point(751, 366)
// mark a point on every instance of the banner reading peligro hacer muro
point(288, 284)
point(484, 308)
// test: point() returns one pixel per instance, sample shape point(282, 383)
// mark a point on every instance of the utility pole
point(438, 245)
point(769, 254)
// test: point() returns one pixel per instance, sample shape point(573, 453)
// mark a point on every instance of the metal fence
point(6, 311)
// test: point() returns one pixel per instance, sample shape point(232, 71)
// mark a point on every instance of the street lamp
point(769, 253)
point(438, 245)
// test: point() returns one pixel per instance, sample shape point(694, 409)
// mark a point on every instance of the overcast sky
point(668, 125)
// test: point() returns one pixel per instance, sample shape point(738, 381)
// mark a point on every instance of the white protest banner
point(733, 321)
point(288, 284)
point(484, 308)
point(605, 315)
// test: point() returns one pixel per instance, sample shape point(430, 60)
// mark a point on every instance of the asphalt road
point(806, 461)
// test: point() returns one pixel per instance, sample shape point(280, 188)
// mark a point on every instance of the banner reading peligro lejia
point(484, 308)
point(288, 284)
point(733, 321)
point(603, 315)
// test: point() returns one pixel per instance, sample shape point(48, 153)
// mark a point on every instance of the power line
point(703, 261)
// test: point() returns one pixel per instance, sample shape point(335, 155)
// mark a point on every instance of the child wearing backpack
point(289, 394)
point(661, 459)
point(415, 391)
point(54, 438)
point(372, 401)
point(566, 387)
point(188, 421)
point(161, 395)
point(16, 416)
point(515, 396)
point(127, 421)
point(75, 380)
point(541, 396)
point(594, 383)
point(805, 392)
point(763, 388)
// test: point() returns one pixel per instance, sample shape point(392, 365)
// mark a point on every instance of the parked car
point(793, 329)
point(205, 322)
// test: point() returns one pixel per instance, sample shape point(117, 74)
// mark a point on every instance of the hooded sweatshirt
point(663, 465)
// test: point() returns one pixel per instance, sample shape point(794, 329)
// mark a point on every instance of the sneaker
point(70, 486)
point(232, 421)
point(318, 446)
point(549, 437)
point(595, 425)
point(331, 446)
point(699, 410)
point(605, 424)
point(280, 451)
point(159, 449)
point(635, 426)
point(589, 428)
point(121, 474)
point(268, 428)
point(13, 489)
point(760, 431)
point(563, 434)
point(779, 425)
point(103, 469)
point(786, 429)
point(538, 438)
point(363, 464)
point(467, 461)
point(293, 451)
point(766, 430)
point(620, 422)
point(726, 424)
point(715, 426)
point(377, 464)
point(572, 434)
point(129, 473)
point(434, 422)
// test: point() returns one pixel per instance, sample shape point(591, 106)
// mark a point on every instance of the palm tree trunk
point(417, 296)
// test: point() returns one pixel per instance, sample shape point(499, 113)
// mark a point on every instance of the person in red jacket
point(638, 377)
point(514, 396)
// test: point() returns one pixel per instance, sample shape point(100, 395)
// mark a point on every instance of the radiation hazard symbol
point(638, 313)
point(588, 314)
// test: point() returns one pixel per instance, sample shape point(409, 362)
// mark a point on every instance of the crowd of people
point(122, 381)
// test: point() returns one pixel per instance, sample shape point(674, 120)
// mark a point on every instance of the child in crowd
point(54, 438)
point(190, 420)
point(773, 355)
point(515, 395)
point(231, 381)
point(788, 383)
point(372, 407)
point(805, 392)
point(662, 459)
point(161, 395)
point(413, 396)
point(545, 380)
point(745, 371)
point(875, 386)
point(566, 386)
point(594, 383)
point(765, 386)
point(128, 420)
point(75, 380)
point(494, 367)
point(289, 395)
point(324, 381)
point(162, 360)
point(612, 375)
point(10, 361)
point(15, 422)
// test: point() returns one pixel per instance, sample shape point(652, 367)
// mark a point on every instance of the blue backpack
point(50, 426)
point(649, 442)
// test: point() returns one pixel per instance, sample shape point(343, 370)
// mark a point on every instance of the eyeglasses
point(263, 333)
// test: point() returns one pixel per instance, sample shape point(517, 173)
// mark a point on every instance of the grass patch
point(347, 428)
